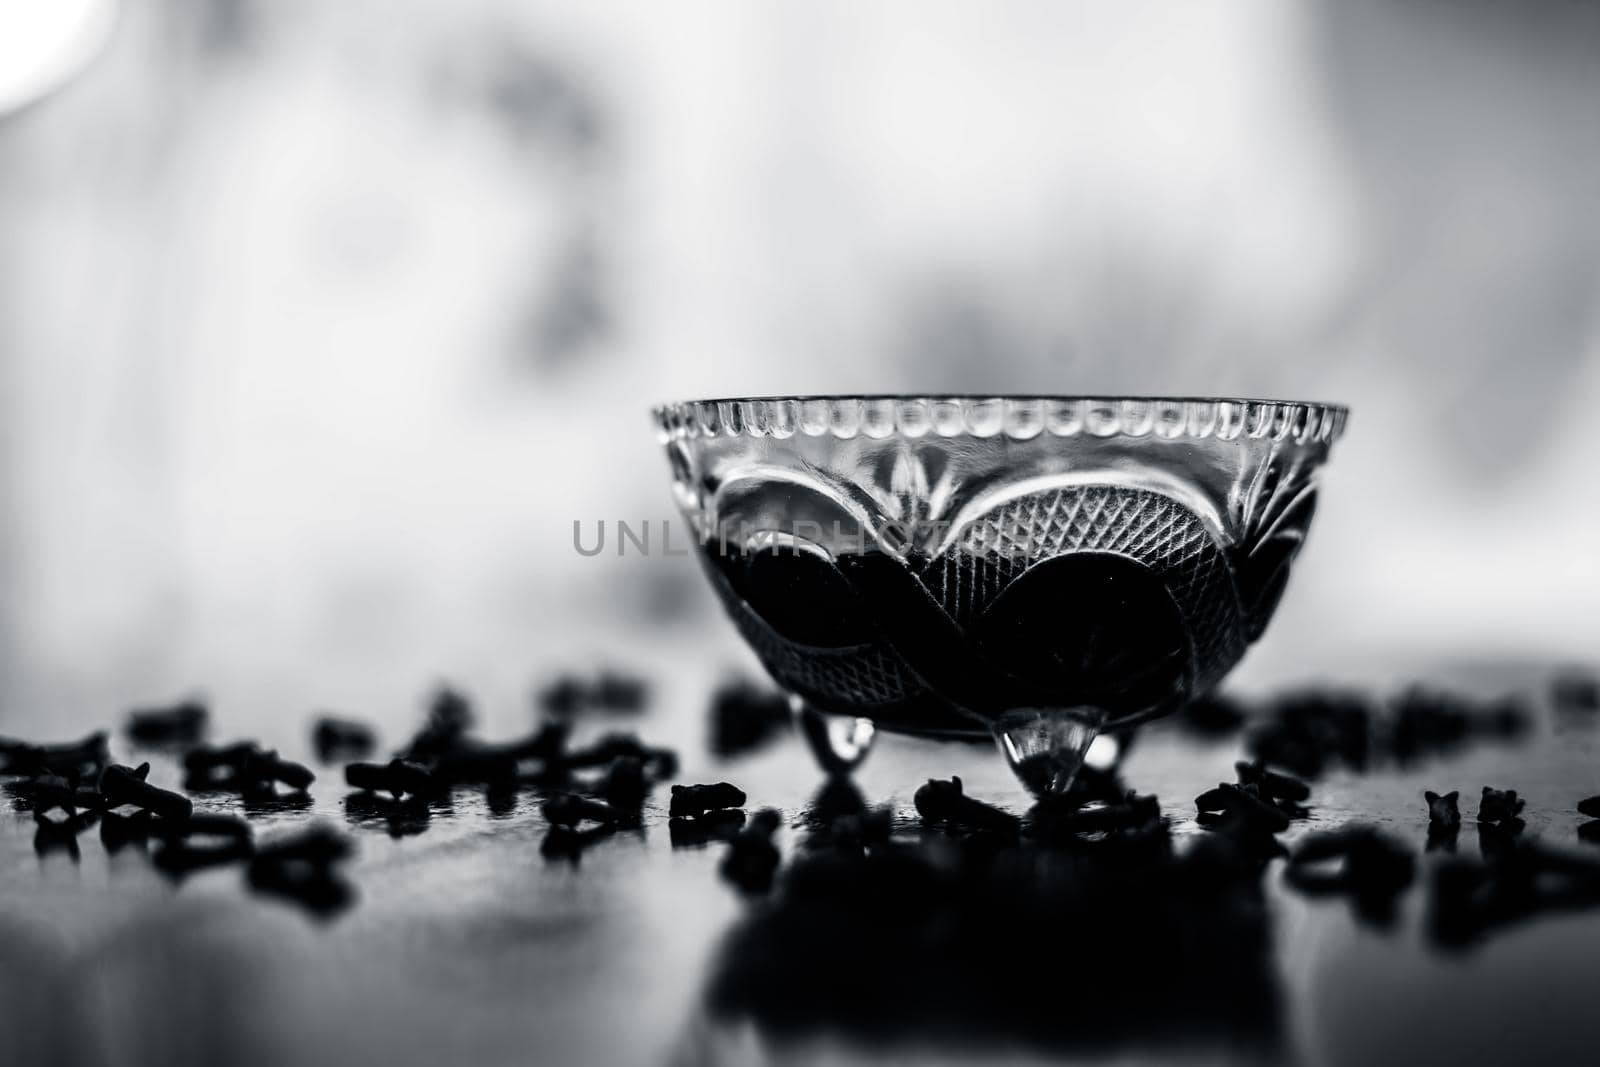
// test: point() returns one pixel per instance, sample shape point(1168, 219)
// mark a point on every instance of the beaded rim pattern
point(1019, 418)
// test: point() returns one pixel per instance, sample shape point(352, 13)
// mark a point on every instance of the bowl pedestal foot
point(1045, 747)
point(839, 742)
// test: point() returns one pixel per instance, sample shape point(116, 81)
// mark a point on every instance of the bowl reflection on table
point(941, 943)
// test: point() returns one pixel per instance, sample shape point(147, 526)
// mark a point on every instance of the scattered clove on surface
point(696, 800)
point(609, 690)
point(181, 723)
point(744, 717)
point(47, 792)
point(449, 718)
point(1576, 691)
point(398, 778)
point(944, 803)
point(659, 763)
point(1244, 802)
point(1214, 715)
point(242, 767)
point(335, 738)
point(263, 769)
point(1499, 806)
point(1272, 785)
point(88, 755)
point(625, 784)
point(218, 768)
point(126, 786)
point(1443, 810)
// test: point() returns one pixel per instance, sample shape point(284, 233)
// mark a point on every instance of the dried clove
point(562, 697)
point(940, 802)
point(1443, 810)
point(182, 723)
point(1212, 716)
point(398, 778)
point(659, 763)
point(61, 758)
point(608, 691)
point(744, 717)
point(1499, 806)
point(477, 763)
point(262, 769)
point(615, 691)
point(336, 738)
point(570, 809)
point(1590, 806)
point(48, 792)
point(124, 786)
point(222, 768)
point(1576, 691)
point(1272, 785)
point(1245, 803)
point(242, 767)
point(1309, 730)
point(625, 784)
point(449, 718)
point(695, 800)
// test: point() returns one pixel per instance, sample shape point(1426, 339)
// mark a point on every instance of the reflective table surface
point(465, 943)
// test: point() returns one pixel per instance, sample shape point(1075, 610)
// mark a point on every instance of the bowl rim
point(1018, 417)
point(971, 398)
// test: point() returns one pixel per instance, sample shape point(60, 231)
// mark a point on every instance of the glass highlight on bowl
point(1038, 569)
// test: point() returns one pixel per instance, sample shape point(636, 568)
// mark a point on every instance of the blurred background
point(320, 324)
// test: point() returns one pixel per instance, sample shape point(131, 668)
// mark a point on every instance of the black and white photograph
point(799, 532)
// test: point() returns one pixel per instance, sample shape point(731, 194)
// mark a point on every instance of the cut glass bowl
point(1038, 569)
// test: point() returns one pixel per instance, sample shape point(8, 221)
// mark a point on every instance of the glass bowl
point(1038, 569)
